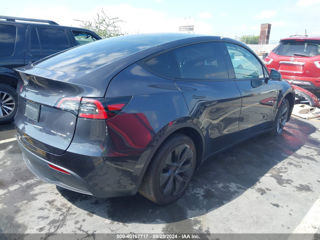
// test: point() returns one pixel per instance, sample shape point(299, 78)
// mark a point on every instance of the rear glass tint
point(102, 52)
point(7, 40)
point(298, 48)
point(53, 38)
point(197, 61)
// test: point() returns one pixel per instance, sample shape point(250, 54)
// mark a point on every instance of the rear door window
point(53, 38)
point(298, 48)
point(197, 61)
point(82, 37)
point(7, 40)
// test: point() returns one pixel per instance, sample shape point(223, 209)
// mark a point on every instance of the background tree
point(249, 39)
point(103, 25)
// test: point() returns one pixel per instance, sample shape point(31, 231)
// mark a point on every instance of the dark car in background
point(25, 40)
point(142, 112)
point(298, 60)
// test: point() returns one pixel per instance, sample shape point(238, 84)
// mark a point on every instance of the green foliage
point(249, 39)
point(103, 25)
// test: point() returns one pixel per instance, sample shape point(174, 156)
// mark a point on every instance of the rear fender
point(160, 138)
point(9, 77)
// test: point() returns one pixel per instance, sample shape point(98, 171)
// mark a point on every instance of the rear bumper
point(40, 167)
point(90, 178)
point(305, 82)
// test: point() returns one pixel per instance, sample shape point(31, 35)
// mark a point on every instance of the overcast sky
point(215, 17)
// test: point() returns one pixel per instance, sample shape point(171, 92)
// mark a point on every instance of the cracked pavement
point(263, 185)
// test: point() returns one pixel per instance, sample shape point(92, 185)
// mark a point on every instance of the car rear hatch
point(44, 118)
point(298, 57)
point(58, 90)
point(52, 90)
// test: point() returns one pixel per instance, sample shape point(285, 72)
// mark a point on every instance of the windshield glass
point(298, 48)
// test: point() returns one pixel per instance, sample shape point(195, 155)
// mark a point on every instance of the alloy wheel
point(177, 170)
point(7, 104)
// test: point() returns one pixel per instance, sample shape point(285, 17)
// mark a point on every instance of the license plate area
point(32, 111)
point(291, 68)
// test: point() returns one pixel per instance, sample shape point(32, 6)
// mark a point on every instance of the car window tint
point(164, 64)
point(197, 61)
point(99, 53)
point(245, 64)
point(201, 61)
point(53, 38)
point(307, 48)
point(7, 40)
point(34, 40)
point(83, 37)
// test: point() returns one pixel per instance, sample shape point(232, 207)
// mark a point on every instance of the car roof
point(127, 49)
point(46, 25)
point(89, 61)
point(301, 38)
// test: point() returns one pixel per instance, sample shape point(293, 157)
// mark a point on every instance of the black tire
point(170, 171)
point(281, 118)
point(8, 103)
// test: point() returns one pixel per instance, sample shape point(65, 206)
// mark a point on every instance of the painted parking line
point(8, 140)
point(310, 223)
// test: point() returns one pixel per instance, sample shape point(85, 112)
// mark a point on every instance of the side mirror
point(275, 75)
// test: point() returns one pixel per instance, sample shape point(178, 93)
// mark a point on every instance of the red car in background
point(298, 61)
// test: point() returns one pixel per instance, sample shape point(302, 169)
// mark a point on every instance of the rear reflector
point(58, 169)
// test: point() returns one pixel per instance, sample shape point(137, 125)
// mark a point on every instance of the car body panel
point(109, 157)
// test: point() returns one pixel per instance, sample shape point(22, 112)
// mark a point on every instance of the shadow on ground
point(6, 127)
point(221, 179)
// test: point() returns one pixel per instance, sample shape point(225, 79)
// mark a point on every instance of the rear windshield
point(99, 53)
point(7, 40)
point(298, 48)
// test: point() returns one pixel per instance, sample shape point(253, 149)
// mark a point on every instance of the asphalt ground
point(265, 185)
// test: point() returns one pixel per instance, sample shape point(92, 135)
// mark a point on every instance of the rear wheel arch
point(150, 187)
point(188, 131)
point(9, 80)
point(290, 97)
point(197, 140)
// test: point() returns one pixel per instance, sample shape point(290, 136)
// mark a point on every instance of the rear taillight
point(317, 63)
point(93, 108)
point(268, 60)
point(69, 104)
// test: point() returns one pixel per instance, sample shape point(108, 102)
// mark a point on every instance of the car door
point(258, 97)
point(213, 99)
